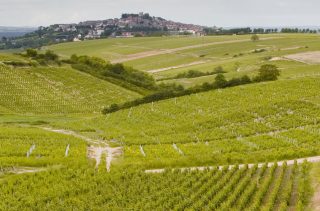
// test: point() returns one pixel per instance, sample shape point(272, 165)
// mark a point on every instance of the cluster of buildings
point(128, 25)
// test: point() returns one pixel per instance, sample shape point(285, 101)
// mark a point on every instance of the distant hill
point(6, 31)
point(128, 25)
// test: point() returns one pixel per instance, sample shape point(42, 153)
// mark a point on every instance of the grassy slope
point(224, 126)
point(56, 90)
point(215, 55)
point(218, 127)
point(116, 48)
point(249, 62)
point(210, 113)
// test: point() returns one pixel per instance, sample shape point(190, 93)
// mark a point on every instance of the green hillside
point(56, 90)
point(218, 127)
point(253, 146)
point(117, 48)
point(165, 57)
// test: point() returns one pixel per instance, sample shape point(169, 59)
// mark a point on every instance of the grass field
point(56, 148)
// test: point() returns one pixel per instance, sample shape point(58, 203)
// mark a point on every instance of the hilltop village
point(129, 25)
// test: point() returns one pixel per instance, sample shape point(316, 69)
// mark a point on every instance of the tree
point(268, 72)
point(254, 38)
point(220, 81)
point(245, 79)
point(218, 69)
point(31, 53)
point(50, 55)
point(113, 107)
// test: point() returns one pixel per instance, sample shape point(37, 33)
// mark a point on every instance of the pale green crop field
point(115, 48)
point(215, 54)
point(56, 90)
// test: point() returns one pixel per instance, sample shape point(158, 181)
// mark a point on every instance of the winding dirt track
point(315, 159)
point(178, 66)
point(169, 51)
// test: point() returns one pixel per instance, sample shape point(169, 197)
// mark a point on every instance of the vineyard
point(237, 125)
point(266, 188)
point(56, 90)
point(249, 147)
point(33, 147)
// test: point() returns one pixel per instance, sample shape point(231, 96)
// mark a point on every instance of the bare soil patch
point(292, 48)
point(178, 66)
point(97, 152)
point(279, 59)
point(315, 202)
point(24, 170)
point(97, 148)
point(307, 57)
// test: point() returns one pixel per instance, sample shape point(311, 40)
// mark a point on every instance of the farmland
point(56, 90)
point(274, 188)
point(204, 126)
point(234, 53)
point(59, 152)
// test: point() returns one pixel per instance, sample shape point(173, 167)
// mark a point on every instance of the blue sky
point(223, 13)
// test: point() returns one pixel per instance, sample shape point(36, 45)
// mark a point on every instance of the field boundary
point(315, 159)
point(169, 51)
point(178, 66)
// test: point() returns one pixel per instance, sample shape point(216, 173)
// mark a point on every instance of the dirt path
point(96, 150)
point(169, 51)
point(315, 201)
point(25, 170)
point(176, 67)
point(72, 133)
point(315, 159)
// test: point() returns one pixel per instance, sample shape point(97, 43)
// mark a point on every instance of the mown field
point(56, 145)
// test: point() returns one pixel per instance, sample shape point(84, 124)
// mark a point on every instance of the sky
point(222, 13)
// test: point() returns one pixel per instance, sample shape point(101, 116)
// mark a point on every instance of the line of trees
point(296, 30)
point(195, 74)
point(265, 73)
point(248, 30)
point(115, 73)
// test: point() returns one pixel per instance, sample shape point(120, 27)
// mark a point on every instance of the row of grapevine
point(56, 90)
point(284, 145)
point(22, 146)
point(265, 188)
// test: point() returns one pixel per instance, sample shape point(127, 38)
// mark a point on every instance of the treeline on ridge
point(195, 74)
point(101, 68)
